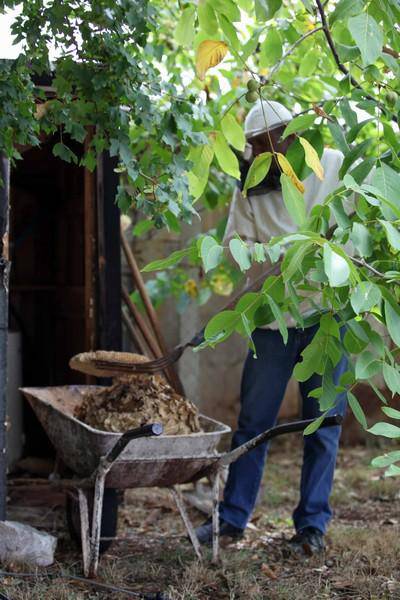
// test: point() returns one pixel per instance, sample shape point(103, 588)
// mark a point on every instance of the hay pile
point(136, 400)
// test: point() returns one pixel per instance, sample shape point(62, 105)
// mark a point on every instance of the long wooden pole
point(138, 280)
point(144, 330)
point(134, 335)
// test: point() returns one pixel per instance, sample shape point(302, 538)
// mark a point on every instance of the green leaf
point(392, 319)
point(386, 459)
point(299, 124)
point(365, 296)
point(259, 253)
point(352, 342)
point(361, 239)
point(184, 32)
point(391, 412)
point(142, 227)
point(354, 154)
point(227, 8)
point(274, 286)
point(279, 319)
point(312, 359)
point(257, 171)
point(312, 427)
point(392, 234)
point(350, 116)
point(329, 325)
point(338, 137)
point(229, 32)
point(339, 213)
point(211, 253)
point(270, 49)
point(392, 471)
point(345, 9)
point(233, 132)
point(368, 36)
point(170, 261)
point(385, 429)
point(246, 5)
point(248, 329)
point(387, 181)
point(62, 151)
point(293, 200)
point(222, 325)
point(247, 306)
point(240, 253)
point(266, 9)
point(366, 365)
point(391, 376)
point(226, 158)
point(201, 157)
point(309, 63)
point(328, 396)
point(335, 266)
point(354, 131)
point(357, 410)
point(207, 19)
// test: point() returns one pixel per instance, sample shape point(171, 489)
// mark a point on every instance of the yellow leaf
point(209, 54)
point(312, 159)
point(288, 170)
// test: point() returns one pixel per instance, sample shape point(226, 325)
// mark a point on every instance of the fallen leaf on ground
point(266, 570)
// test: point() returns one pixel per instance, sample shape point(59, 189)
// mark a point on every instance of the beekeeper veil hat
point(265, 115)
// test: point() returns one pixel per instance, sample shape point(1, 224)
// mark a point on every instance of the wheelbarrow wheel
point(109, 517)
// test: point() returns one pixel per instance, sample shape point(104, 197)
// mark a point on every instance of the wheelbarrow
point(141, 457)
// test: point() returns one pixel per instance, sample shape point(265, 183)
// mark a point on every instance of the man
point(258, 218)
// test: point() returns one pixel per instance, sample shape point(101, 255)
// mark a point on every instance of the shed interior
point(47, 283)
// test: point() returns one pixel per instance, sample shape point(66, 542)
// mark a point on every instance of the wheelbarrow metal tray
point(144, 462)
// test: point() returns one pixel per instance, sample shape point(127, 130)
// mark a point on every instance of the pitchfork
point(98, 363)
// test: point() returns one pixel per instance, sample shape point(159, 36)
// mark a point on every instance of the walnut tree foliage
point(166, 86)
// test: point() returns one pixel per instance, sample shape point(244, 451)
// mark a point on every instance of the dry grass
point(361, 561)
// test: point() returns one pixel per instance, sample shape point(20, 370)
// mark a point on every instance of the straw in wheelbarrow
point(136, 400)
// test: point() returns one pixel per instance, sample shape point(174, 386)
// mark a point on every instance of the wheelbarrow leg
point(215, 515)
point(105, 464)
point(177, 494)
point(96, 523)
point(85, 532)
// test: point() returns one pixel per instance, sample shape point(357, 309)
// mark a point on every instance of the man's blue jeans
point(263, 386)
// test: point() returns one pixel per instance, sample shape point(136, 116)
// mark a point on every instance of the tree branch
point(362, 263)
point(387, 50)
point(332, 46)
point(340, 65)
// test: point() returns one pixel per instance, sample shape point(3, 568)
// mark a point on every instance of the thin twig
point(387, 50)
point(362, 263)
point(293, 47)
point(90, 582)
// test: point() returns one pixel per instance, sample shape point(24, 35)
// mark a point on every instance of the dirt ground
point(361, 562)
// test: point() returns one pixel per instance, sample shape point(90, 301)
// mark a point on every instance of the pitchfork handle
point(132, 434)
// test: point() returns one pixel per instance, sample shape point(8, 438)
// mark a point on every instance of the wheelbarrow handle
point(233, 455)
point(152, 429)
